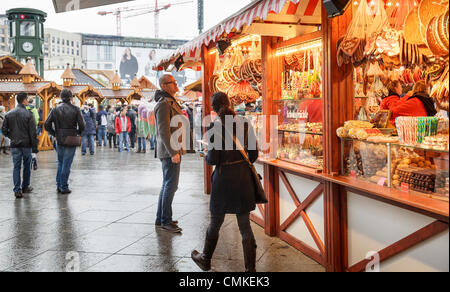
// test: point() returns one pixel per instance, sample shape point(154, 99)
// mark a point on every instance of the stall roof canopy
point(81, 77)
point(294, 11)
point(69, 5)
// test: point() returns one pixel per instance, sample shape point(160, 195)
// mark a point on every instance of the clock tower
point(26, 36)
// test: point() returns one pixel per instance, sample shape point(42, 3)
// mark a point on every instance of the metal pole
point(200, 16)
point(389, 165)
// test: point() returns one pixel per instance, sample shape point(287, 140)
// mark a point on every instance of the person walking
point(142, 132)
point(111, 119)
point(65, 122)
point(232, 192)
point(89, 132)
point(19, 126)
point(132, 134)
point(31, 107)
point(123, 128)
point(102, 122)
point(3, 138)
point(166, 109)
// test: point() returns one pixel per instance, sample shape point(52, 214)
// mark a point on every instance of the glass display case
point(414, 169)
point(300, 138)
point(299, 110)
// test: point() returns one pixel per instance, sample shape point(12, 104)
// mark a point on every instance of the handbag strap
point(239, 146)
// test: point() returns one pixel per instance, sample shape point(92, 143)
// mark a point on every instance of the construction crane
point(140, 10)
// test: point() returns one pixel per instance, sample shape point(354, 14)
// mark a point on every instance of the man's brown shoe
point(27, 190)
point(18, 195)
point(172, 228)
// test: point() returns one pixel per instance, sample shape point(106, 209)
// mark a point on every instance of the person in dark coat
point(19, 126)
point(232, 189)
point(89, 132)
point(131, 113)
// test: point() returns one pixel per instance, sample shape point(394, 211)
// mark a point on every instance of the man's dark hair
point(21, 97)
point(100, 107)
point(66, 95)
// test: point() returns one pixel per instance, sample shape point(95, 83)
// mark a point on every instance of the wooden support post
point(271, 209)
point(271, 90)
point(337, 88)
point(337, 108)
point(44, 139)
point(208, 61)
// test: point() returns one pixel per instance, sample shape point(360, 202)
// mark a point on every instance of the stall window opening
point(27, 28)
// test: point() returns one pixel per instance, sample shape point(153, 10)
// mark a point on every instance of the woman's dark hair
point(392, 86)
point(221, 105)
point(420, 87)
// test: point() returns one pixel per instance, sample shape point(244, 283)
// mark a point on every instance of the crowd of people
point(73, 127)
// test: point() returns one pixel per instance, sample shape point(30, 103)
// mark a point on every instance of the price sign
point(353, 174)
point(405, 187)
point(382, 181)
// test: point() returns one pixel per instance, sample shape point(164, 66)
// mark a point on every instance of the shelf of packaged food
point(412, 199)
point(446, 151)
point(301, 132)
point(298, 100)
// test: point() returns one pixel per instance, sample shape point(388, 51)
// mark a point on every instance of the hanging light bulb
point(397, 4)
point(372, 3)
point(355, 3)
point(389, 4)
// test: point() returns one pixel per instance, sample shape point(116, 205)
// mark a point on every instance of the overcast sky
point(178, 22)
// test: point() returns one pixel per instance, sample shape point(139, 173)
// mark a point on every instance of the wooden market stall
point(337, 219)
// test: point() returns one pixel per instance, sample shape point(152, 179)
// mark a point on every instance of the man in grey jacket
point(168, 149)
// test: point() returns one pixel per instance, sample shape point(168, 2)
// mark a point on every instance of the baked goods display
point(302, 127)
point(438, 142)
point(419, 157)
point(301, 77)
point(239, 75)
point(304, 149)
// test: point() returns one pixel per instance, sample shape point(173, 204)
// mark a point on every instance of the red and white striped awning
point(257, 10)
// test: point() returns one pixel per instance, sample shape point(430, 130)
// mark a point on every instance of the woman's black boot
point(249, 246)
point(203, 260)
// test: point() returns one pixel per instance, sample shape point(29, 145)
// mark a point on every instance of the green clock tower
point(26, 36)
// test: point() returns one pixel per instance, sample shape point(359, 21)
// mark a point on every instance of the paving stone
point(109, 219)
point(58, 261)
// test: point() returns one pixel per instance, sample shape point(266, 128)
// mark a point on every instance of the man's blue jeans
point(142, 144)
point(123, 141)
point(65, 159)
point(102, 135)
point(152, 142)
point(84, 139)
point(20, 155)
point(171, 177)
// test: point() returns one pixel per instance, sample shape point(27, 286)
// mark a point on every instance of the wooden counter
point(408, 200)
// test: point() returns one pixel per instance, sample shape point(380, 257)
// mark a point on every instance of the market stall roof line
point(259, 9)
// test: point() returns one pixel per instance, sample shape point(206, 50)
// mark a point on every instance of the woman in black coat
point(232, 188)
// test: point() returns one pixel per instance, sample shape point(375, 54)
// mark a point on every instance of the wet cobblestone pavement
point(107, 223)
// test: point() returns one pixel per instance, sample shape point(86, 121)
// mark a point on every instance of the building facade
point(62, 48)
point(128, 55)
point(4, 35)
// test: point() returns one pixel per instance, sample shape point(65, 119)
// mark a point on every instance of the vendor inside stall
point(420, 104)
